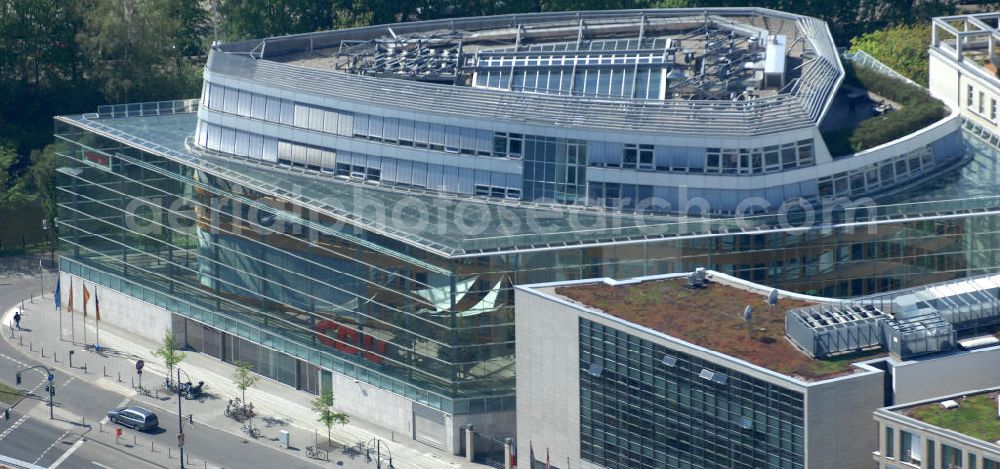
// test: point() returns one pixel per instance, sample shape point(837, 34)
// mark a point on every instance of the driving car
point(138, 418)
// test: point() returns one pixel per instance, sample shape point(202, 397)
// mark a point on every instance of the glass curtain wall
point(435, 329)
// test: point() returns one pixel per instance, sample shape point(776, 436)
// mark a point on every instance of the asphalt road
point(36, 440)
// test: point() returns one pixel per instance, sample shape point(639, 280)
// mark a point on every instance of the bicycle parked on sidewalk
point(239, 411)
point(249, 429)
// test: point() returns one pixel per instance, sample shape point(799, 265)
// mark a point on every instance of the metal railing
point(800, 106)
point(155, 108)
point(863, 58)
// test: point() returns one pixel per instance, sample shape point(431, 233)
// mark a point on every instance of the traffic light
point(19, 378)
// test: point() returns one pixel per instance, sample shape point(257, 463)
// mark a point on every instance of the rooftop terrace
point(975, 416)
point(712, 317)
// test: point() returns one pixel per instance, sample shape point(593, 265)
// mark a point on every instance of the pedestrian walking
point(17, 319)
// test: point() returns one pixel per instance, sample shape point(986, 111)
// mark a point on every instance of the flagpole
point(85, 298)
point(97, 317)
point(72, 323)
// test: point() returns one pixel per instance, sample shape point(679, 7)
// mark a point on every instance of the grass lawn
point(8, 394)
point(976, 416)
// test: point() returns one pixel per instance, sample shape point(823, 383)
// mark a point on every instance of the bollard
point(83, 419)
point(100, 427)
point(43, 351)
point(55, 357)
point(157, 391)
point(206, 464)
point(119, 376)
point(104, 372)
point(168, 452)
point(151, 449)
point(84, 367)
point(133, 380)
point(30, 347)
point(189, 458)
point(135, 441)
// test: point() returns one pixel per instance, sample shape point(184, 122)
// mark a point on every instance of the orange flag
point(86, 298)
point(69, 305)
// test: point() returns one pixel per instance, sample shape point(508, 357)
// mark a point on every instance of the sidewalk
point(278, 407)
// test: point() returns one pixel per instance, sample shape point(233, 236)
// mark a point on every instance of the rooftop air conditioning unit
point(949, 404)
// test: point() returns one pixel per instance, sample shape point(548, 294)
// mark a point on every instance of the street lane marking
point(67, 454)
point(120, 404)
point(40, 456)
point(13, 427)
point(98, 465)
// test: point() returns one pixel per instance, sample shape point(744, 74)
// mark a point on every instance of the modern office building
point(948, 432)
point(351, 209)
point(963, 69)
point(669, 372)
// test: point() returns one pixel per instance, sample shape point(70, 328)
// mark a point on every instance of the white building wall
point(952, 374)
point(548, 379)
point(118, 309)
point(839, 428)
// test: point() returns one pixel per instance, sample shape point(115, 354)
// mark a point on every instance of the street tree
point(244, 377)
point(168, 351)
point(323, 407)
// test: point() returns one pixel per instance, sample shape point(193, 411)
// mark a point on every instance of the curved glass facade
point(212, 241)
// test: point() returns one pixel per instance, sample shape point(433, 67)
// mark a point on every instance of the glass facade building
point(312, 224)
point(643, 405)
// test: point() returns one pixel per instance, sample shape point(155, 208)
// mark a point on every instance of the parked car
point(135, 417)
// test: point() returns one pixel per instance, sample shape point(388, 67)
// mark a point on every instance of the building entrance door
point(428, 426)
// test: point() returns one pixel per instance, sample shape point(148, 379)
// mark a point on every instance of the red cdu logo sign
point(350, 341)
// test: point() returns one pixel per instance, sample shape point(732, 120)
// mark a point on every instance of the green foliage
point(42, 178)
point(11, 186)
point(918, 110)
point(244, 377)
point(168, 351)
point(902, 48)
point(322, 405)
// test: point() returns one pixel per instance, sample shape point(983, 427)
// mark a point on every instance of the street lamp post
point(180, 419)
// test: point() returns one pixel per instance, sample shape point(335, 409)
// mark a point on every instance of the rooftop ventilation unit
point(949, 404)
point(697, 279)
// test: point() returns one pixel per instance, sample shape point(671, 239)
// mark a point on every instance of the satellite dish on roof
point(772, 298)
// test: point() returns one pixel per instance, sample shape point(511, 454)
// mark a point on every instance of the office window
point(972, 461)
point(890, 443)
point(993, 109)
point(931, 460)
point(646, 157)
point(909, 447)
point(951, 458)
point(990, 464)
point(630, 156)
point(969, 93)
point(982, 99)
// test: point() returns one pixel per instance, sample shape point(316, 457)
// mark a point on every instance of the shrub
point(919, 109)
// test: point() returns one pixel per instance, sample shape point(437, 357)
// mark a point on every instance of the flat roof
point(493, 67)
point(467, 226)
point(712, 318)
point(976, 415)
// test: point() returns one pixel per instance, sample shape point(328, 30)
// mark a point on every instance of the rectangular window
point(990, 464)
point(951, 458)
point(515, 143)
point(630, 156)
point(909, 447)
point(982, 99)
point(890, 440)
point(969, 96)
point(931, 461)
point(993, 109)
point(646, 157)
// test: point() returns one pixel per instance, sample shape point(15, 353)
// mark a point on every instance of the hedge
point(918, 110)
